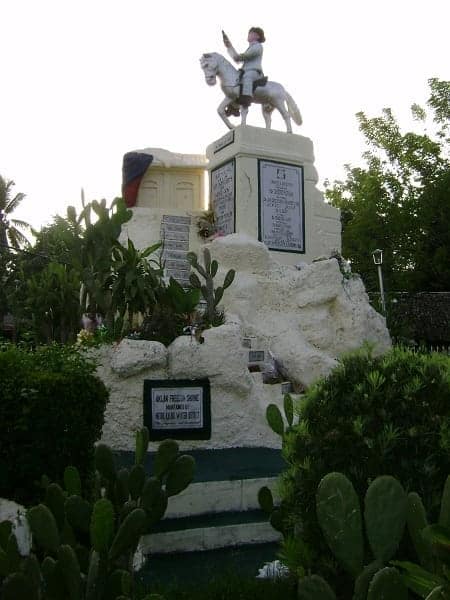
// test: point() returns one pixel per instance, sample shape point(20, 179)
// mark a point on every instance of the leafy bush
point(51, 413)
point(386, 415)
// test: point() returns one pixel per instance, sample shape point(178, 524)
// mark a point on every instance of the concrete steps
point(220, 508)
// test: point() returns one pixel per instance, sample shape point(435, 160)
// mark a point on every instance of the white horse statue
point(271, 95)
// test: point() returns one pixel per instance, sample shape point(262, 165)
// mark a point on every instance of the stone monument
point(293, 304)
point(263, 184)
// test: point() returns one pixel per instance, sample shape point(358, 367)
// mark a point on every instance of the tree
point(400, 201)
point(9, 232)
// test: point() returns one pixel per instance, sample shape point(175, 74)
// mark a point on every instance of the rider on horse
point(251, 71)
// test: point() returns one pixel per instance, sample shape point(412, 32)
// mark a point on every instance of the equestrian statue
point(248, 84)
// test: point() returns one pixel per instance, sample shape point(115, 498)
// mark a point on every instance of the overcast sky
point(85, 82)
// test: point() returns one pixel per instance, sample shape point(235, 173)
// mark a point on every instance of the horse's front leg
point(222, 114)
point(244, 113)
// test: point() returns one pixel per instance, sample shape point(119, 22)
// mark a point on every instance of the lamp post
point(377, 256)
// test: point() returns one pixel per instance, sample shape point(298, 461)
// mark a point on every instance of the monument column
point(263, 184)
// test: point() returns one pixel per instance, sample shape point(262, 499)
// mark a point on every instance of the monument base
point(263, 184)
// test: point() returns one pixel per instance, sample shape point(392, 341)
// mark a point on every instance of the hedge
point(51, 414)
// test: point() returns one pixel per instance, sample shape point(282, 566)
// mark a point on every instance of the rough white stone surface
point(307, 318)
point(132, 356)
point(10, 509)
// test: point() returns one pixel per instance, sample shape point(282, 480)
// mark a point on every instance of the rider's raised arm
point(234, 55)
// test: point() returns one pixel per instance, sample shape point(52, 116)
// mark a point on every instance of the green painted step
point(210, 520)
point(225, 464)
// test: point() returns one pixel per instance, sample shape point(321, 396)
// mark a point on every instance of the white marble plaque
point(223, 192)
point(175, 236)
point(177, 408)
point(281, 206)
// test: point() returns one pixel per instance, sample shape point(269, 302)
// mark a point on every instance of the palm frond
point(16, 238)
point(20, 223)
point(13, 203)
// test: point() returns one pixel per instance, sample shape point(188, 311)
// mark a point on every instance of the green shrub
point(51, 413)
point(386, 415)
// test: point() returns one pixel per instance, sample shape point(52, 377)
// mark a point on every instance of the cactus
point(16, 587)
point(94, 583)
point(136, 481)
point(81, 545)
point(364, 578)
point(128, 534)
point(102, 525)
point(417, 521)
point(274, 418)
point(55, 500)
point(13, 557)
point(166, 455)
point(142, 439)
point(4, 570)
point(208, 272)
point(153, 500)
point(388, 585)
point(5, 532)
point(265, 499)
point(43, 527)
point(78, 513)
point(314, 588)
point(339, 516)
point(385, 516)
point(180, 475)
point(122, 490)
point(32, 572)
point(119, 583)
point(288, 406)
point(69, 570)
point(72, 481)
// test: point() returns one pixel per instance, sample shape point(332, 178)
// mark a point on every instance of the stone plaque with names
point(281, 206)
point(179, 409)
point(223, 197)
point(175, 236)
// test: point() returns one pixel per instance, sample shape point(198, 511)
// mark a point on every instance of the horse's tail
point(293, 109)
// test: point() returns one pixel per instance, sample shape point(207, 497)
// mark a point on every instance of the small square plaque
point(256, 356)
point(177, 408)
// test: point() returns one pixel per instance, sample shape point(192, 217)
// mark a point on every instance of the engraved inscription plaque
point(178, 409)
point(223, 197)
point(281, 206)
point(175, 236)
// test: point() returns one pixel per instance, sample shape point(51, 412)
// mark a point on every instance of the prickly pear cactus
point(44, 528)
point(385, 516)
point(339, 516)
point(274, 418)
point(387, 584)
point(180, 475)
point(84, 546)
point(363, 580)
point(416, 519)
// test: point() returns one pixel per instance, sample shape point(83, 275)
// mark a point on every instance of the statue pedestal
point(263, 184)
